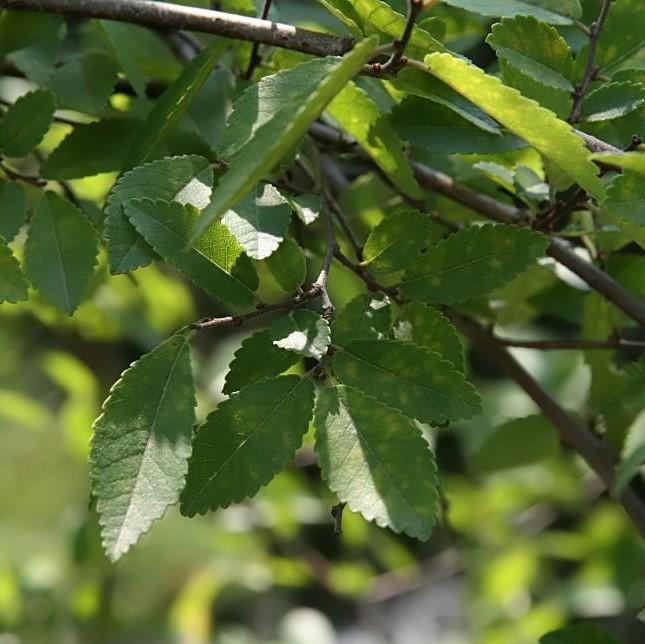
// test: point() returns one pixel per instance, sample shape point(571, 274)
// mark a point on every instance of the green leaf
point(363, 318)
point(60, 252)
point(414, 380)
point(613, 101)
point(428, 327)
point(20, 29)
point(304, 332)
point(509, 8)
point(288, 266)
point(375, 460)
point(392, 23)
point(345, 12)
point(581, 634)
point(522, 116)
point(360, 116)
point(173, 103)
point(632, 464)
point(536, 60)
point(91, 148)
point(13, 285)
point(85, 82)
point(307, 207)
point(141, 444)
point(625, 204)
point(398, 240)
point(472, 262)
point(212, 263)
point(246, 441)
point(432, 127)
point(138, 50)
point(418, 83)
point(186, 179)
point(26, 122)
point(519, 442)
point(260, 221)
point(633, 161)
point(13, 209)
point(268, 144)
point(257, 358)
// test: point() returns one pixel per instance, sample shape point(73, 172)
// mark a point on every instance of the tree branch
point(396, 60)
point(590, 68)
point(254, 60)
point(592, 450)
point(578, 345)
point(164, 15)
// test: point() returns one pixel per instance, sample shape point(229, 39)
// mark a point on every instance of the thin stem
point(595, 29)
point(165, 15)
point(579, 345)
point(396, 60)
point(254, 60)
point(574, 433)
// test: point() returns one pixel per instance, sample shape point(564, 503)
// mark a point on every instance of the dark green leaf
point(428, 327)
point(362, 319)
point(246, 441)
point(90, 149)
point(141, 444)
point(257, 358)
point(60, 252)
point(407, 377)
point(509, 8)
point(304, 332)
point(171, 106)
point(20, 29)
point(519, 442)
point(288, 265)
point(625, 204)
point(612, 101)
point(215, 262)
point(307, 207)
point(13, 285)
point(376, 461)
point(581, 634)
point(26, 122)
point(471, 263)
point(260, 221)
point(13, 209)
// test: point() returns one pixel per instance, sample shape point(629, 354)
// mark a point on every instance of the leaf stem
point(591, 70)
point(396, 59)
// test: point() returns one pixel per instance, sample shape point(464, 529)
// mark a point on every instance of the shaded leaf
point(407, 377)
point(246, 441)
point(625, 204)
point(375, 460)
point(304, 332)
point(581, 634)
point(60, 252)
point(85, 82)
point(13, 284)
point(141, 444)
point(186, 179)
point(278, 135)
point(26, 122)
point(13, 209)
point(361, 319)
point(166, 227)
point(288, 266)
point(629, 468)
point(20, 29)
point(307, 207)
point(509, 8)
point(360, 116)
point(397, 240)
point(428, 327)
point(612, 101)
point(345, 12)
point(519, 442)
point(172, 104)
point(472, 262)
point(257, 358)
point(539, 127)
point(91, 148)
point(260, 221)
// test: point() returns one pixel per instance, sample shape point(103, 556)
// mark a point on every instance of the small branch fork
point(397, 59)
point(317, 289)
point(591, 69)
